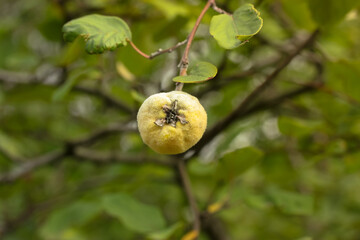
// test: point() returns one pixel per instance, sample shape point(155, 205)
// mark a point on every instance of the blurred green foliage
point(286, 171)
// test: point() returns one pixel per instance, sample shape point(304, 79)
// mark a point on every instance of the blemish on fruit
point(172, 116)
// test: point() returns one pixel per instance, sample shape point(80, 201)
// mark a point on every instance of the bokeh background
point(73, 167)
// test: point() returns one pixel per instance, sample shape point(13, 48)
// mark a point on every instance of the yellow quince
point(172, 122)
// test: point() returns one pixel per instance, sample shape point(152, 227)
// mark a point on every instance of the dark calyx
point(172, 116)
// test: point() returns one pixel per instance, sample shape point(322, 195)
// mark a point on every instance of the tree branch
point(184, 63)
point(31, 79)
point(214, 228)
point(243, 106)
point(185, 181)
point(68, 149)
point(107, 98)
point(30, 165)
point(118, 157)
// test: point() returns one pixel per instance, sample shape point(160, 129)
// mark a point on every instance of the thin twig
point(185, 180)
point(168, 50)
point(219, 10)
point(158, 52)
point(184, 63)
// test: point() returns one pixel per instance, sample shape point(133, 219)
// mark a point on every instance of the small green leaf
point(66, 218)
point(100, 32)
point(292, 202)
point(200, 72)
point(240, 160)
point(230, 31)
point(133, 214)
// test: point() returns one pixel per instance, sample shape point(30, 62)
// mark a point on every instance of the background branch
point(68, 149)
point(14, 78)
point(31, 165)
point(108, 99)
point(103, 157)
point(185, 183)
point(243, 106)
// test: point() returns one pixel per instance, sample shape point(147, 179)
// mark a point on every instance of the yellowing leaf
point(191, 235)
point(213, 208)
point(124, 72)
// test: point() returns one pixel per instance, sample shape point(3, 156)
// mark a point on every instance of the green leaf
point(237, 162)
point(256, 201)
point(305, 238)
point(61, 92)
point(352, 162)
point(72, 52)
point(230, 31)
point(329, 12)
point(166, 233)
point(296, 127)
point(343, 76)
point(10, 145)
point(299, 12)
point(170, 9)
point(64, 219)
point(200, 72)
point(133, 214)
point(292, 202)
point(202, 169)
point(100, 32)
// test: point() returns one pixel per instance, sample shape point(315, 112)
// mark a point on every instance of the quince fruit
point(172, 122)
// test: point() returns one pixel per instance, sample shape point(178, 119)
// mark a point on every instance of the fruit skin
point(167, 139)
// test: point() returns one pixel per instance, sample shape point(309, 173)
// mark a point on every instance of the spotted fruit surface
point(172, 122)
